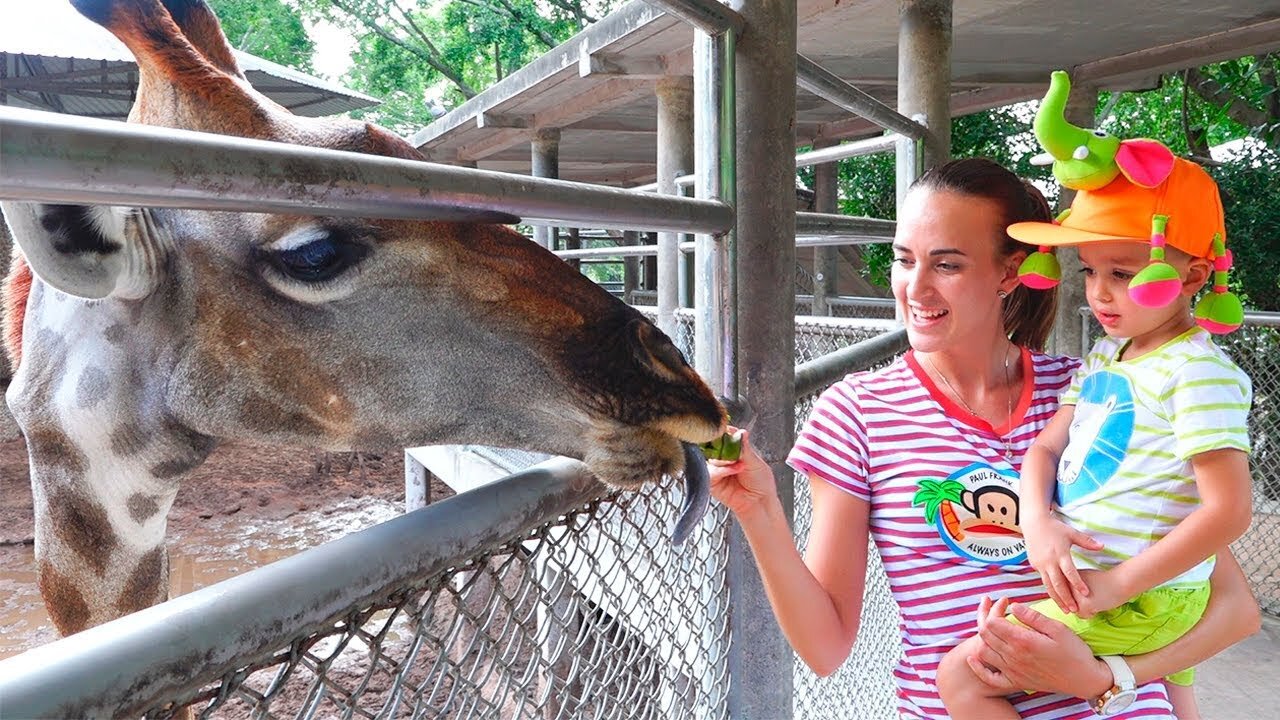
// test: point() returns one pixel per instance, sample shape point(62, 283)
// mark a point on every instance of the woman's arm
point(818, 605)
point(1042, 654)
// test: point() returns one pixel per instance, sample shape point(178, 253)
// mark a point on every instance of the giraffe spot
point(142, 507)
point(128, 440)
point(64, 601)
point(92, 386)
point(83, 527)
point(115, 333)
point(168, 469)
point(52, 449)
point(146, 584)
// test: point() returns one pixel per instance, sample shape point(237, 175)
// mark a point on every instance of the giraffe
point(142, 338)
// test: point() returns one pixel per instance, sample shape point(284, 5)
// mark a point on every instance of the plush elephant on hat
point(1090, 159)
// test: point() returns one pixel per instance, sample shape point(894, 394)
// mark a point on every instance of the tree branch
point(431, 55)
point(1236, 107)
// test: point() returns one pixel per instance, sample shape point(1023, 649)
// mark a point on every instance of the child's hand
point(743, 485)
point(1049, 542)
point(1104, 593)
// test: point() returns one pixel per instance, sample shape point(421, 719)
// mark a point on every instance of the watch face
point(1119, 702)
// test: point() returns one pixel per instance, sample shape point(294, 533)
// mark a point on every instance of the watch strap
point(1121, 674)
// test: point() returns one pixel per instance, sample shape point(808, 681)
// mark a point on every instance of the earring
point(1157, 284)
point(1002, 294)
point(1220, 310)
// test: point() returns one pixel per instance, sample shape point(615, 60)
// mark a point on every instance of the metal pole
point(924, 71)
point(715, 345)
point(858, 148)
point(1069, 336)
point(675, 158)
point(825, 84)
point(545, 162)
point(48, 157)
point(630, 268)
point(761, 664)
point(825, 200)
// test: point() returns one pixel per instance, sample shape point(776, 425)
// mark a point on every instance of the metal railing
point(540, 596)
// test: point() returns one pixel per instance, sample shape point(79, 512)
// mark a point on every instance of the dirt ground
point(246, 506)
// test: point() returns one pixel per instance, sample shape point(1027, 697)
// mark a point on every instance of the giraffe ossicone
point(142, 338)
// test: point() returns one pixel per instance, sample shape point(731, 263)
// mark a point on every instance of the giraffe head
point(148, 335)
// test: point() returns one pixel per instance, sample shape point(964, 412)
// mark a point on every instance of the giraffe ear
point(87, 251)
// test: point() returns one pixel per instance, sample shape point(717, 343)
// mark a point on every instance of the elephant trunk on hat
point(1091, 159)
point(1082, 159)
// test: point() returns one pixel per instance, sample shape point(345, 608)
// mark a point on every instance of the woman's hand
point(744, 485)
point(1049, 542)
point(1041, 654)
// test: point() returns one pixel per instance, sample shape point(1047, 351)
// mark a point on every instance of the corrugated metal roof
point(51, 40)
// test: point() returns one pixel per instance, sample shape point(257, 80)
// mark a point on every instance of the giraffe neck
point(106, 458)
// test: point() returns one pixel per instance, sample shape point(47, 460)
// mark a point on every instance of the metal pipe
point(827, 85)
point(858, 148)
point(827, 224)
point(122, 667)
point(817, 374)
point(63, 159)
point(709, 16)
point(825, 200)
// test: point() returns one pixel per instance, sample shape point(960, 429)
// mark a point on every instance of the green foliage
point(1250, 186)
point(424, 57)
point(270, 29)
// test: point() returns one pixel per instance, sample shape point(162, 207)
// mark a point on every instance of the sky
point(333, 49)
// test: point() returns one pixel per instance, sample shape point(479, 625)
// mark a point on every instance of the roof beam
point(1248, 40)
point(595, 63)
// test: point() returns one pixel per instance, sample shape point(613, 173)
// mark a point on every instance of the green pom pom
point(1040, 271)
point(1156, 285)
point(727, 447)
point(1220, 313)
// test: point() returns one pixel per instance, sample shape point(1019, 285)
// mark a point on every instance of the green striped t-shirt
point(1125, 476)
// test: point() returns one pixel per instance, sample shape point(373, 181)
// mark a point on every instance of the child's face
point(1108, 268)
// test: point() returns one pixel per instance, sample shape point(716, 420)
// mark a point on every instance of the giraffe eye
point(318, 260)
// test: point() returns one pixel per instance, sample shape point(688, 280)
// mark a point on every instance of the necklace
point(1008, 451)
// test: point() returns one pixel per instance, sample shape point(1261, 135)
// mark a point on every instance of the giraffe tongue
point(697, 493)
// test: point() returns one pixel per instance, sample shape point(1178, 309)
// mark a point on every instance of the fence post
point(760, 660)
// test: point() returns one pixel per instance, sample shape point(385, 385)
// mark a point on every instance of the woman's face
point(946, 274)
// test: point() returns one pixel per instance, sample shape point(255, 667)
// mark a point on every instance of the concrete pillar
point(1066, 337)
point(573, 241)
point(825, 200)
point(924, 72)
point(546, 164)
point(760, 660)
point(675, 158)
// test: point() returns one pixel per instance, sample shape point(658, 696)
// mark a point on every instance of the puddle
point(199, 555)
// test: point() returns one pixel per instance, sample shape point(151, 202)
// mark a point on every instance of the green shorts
point(1148, 622)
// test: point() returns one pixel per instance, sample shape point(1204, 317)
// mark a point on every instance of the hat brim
point(1042, 233)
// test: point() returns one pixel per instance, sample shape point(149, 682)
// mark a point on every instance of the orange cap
point(1122, 210)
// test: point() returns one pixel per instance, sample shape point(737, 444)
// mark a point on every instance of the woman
point(924, 454)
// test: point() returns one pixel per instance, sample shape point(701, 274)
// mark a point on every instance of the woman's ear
point(1010, 264)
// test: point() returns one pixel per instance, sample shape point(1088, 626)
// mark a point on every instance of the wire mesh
point(592, 615)
point(1255, 347)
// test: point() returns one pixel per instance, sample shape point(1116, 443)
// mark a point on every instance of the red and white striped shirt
point(943, 511)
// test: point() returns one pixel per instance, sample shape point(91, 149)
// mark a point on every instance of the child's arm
point(1225, 511)
point(1049, 540)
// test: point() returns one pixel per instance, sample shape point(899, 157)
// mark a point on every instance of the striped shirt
point(1125, 476)
point(943, 511)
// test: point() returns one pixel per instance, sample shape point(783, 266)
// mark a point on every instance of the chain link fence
point(1255, 347)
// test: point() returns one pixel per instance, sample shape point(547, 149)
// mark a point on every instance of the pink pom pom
point(1037, 282)
point(1157, 293)
point(1217, 328)
point(1223, 263)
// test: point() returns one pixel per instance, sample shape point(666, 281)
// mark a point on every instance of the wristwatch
point(1123, 689)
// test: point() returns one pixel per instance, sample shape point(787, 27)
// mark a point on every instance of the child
point(1150, 445)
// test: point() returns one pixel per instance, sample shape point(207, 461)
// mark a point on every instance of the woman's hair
point(1028, 314)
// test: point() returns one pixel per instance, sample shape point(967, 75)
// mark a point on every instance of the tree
point(416, 53)
point(270, 29)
